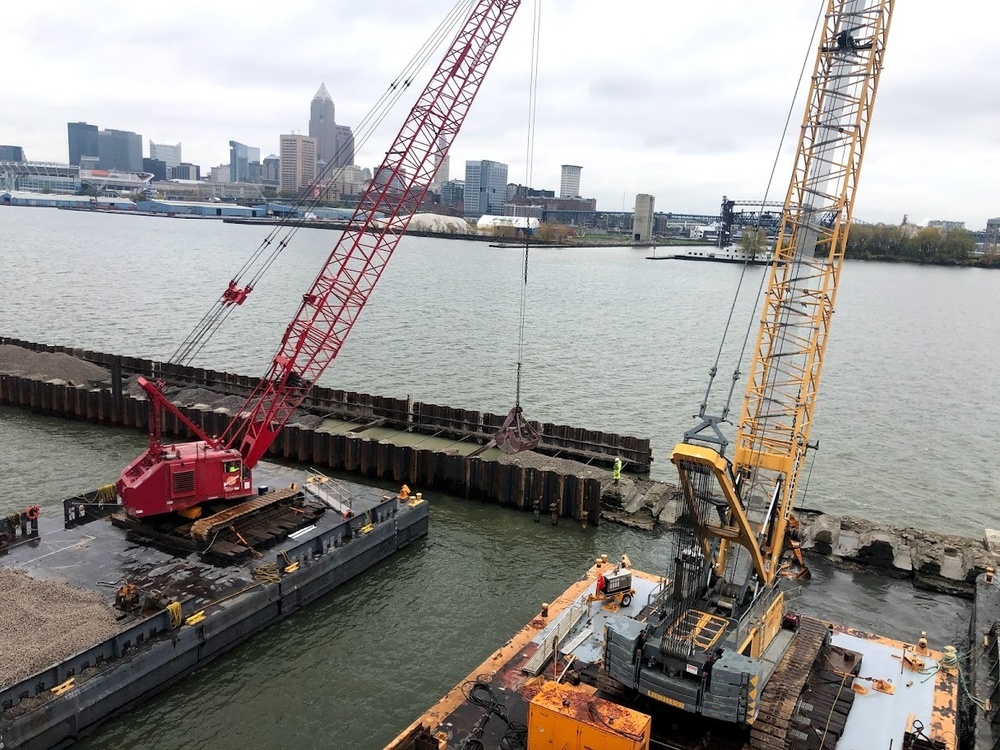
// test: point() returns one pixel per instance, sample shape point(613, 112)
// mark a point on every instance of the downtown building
point(11, 153)
point(569, 182)
point(110, 149)
point(485, 188)
point(297, 159)
point(334, 143)
point(169, 154)
point(244, 163)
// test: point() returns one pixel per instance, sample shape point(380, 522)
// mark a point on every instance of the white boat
point(730, 254)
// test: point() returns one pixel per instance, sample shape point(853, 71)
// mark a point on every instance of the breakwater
point(357, 442)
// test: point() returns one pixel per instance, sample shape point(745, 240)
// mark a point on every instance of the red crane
point(183, 476)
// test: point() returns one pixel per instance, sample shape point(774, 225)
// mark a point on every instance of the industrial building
point(196, 208)
point(52, 200)
point(642, 222)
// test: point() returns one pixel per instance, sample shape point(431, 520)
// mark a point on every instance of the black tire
point(626, 599)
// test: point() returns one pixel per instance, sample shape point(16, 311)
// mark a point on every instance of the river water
point(906, 423)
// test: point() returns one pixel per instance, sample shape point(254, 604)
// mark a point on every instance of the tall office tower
point(168, 154)
point(82, 141)
point(322, 126)
point(569, 185)
point(297, 162)
point(244, 162)
point(485, 188)
point(345, 147)
point(120, 150)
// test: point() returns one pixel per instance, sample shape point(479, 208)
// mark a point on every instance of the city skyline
point(686, 117)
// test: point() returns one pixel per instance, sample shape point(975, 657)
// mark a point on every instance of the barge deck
point(826, 687)
point(190, 603)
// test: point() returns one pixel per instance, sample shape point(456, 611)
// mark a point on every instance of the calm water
point(615, 342)
point(356, 667)
point(907, 417)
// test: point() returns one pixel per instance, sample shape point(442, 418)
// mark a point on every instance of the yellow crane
point(745, 504)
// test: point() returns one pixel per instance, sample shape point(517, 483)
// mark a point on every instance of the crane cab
point(181, 477)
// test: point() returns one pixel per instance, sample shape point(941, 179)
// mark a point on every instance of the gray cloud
point(686, 102)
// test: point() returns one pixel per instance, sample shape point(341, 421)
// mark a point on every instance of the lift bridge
point(735, 214)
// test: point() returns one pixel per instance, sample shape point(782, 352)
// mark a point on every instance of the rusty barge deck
point(191, 602)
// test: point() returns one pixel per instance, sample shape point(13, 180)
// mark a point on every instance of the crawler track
point(770, 730)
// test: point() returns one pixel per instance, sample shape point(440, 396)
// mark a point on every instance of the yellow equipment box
point(564, 717)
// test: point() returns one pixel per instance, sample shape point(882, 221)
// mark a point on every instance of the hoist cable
point(528, 169)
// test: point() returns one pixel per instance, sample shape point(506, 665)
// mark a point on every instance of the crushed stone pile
point(192, 395)
point(532, 460)
point(16, 360)
point(43, 622)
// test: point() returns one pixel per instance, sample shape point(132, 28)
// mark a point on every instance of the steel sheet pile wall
point(548, 492)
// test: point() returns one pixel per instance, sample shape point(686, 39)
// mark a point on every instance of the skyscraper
point(120, 150)
point(345, 147)
point(82, 141)
point(485, 188)
point(569, 185)
point(298, 162)
point(244, 162)
point(323, 127)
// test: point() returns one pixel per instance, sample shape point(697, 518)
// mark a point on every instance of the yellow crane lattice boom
point(759, 486)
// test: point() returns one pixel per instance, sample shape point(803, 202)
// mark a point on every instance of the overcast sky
point(686, 101)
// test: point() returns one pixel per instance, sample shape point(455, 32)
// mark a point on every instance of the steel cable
point(529, 159)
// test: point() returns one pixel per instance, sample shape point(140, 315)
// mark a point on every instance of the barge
point(560, 683)
point(180, 600)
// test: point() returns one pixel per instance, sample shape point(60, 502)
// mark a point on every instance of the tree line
point(930, 245)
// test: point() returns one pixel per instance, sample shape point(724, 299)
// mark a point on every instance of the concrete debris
point(44, 622)
point(15, 360)
point(938, 562)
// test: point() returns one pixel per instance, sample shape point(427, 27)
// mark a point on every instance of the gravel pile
point(532, 460)
point(197, 396)
point(42, 623)
point(16, 360)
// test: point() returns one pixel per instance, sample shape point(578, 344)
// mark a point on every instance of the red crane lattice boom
point(330, 308)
